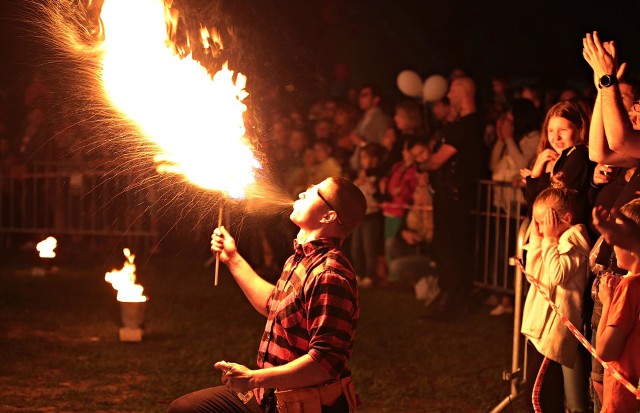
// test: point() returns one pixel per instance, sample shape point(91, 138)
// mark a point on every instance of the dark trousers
point(366, 245)
point(545, 385)
point(453, 243)
point(213, 400)
point(222, 400)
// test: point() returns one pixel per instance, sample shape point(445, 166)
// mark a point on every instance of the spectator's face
point(407, 156)
point(322, 152)
point(329, 109)
point(562, 134)
point(297, 141)
point(366, 99)
point(322, 130)
point(567, 94)
point(625, 258)
point(309, 158)
point(389, 138)
point(366, 161)
point(455, 93)
point(279, 133)
point(440, 110)
point(401, 119)
point(340, 117)
point(420, 153)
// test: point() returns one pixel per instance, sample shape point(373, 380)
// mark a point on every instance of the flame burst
point(124, 280)
point(196, 119)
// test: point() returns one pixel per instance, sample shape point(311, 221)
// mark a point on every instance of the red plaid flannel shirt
point(313, 310)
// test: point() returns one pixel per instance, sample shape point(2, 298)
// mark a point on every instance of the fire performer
point(312, 313)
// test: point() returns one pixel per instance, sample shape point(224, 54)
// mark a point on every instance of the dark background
point(292, 42)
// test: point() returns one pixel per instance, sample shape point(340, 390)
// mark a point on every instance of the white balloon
point(410, 83)
point(435, 88)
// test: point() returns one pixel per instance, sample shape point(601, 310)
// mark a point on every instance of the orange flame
point(46, 248)
point(124, 280)
point(195, 119)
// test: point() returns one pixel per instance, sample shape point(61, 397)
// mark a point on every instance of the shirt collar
point(315, 245)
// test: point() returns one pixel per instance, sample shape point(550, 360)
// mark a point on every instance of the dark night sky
point(291, 41)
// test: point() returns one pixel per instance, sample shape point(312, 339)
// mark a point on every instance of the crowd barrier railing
point(500, 210)
point(517, 376)
point(71, 199)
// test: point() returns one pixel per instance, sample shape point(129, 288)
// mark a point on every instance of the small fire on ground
point(46, 248)
point(124, 280)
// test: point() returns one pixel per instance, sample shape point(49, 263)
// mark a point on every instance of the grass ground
point(61, 353)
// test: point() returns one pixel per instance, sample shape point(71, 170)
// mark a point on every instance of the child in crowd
point(366, 240)
point(557, 260)
point(562, 149)
point(618, 335)
point(396, 191)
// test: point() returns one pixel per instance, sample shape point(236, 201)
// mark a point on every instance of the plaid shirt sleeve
point(332, 311)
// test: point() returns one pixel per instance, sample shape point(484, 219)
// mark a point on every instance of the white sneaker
point(501, 310)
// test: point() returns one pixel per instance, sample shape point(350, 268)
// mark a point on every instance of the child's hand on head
point(552, 227)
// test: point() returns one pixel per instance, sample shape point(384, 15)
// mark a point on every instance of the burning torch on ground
point(46, 251)
point(132, 301)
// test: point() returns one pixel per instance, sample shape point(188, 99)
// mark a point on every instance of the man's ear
point(328, 217)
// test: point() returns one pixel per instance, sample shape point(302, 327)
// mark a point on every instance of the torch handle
point(215, 281)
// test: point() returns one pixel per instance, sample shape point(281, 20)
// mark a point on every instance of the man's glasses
point(330, 206)
point(636, 106)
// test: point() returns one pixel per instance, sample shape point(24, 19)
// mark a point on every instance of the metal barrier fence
point(517, 376)
point(71, 199)
point(500, 210)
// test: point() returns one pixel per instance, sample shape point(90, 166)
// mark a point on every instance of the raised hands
point(617, 229)
point(602, 57)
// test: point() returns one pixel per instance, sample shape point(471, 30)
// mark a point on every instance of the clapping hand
point(602, 57)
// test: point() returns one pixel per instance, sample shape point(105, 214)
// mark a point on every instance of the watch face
point(605, 80)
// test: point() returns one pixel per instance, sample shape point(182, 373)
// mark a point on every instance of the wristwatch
point(607, 80)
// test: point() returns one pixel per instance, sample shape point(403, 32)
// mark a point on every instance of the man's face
point(455, 94)
point(366, 99)
point(309, 208)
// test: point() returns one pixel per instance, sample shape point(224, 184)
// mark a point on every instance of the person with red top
point(618, 335)
point(312, 313)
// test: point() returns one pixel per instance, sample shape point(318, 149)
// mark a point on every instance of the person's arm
point(254, 287)
point(301, 372)
point(610, 339)
point(442, 155)
point(331, 309)
point(602, 57)
point(599, 150)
